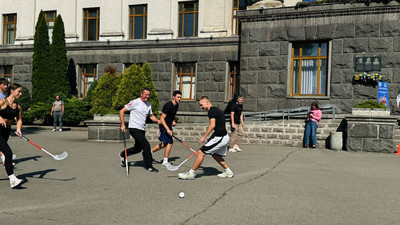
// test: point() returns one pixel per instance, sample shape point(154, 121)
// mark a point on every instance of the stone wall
point(353, 30)
point(276, 132)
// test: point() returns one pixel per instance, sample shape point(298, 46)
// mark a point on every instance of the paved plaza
point(272, 185)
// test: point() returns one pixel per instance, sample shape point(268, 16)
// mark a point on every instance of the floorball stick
point(56, 157)
point(183, 143)
point(175, 168)
point(126, 157)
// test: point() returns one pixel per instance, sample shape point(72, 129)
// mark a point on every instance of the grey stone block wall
point(353, 30)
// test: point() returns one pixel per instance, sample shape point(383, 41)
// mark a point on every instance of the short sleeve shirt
point(218, 115)
point(237, 109)
point(58, 105)
point(2, 95)
point(170, 110)
point(139, 111)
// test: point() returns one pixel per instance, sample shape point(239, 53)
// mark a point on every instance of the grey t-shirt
point(139, 111)
point(58, 105)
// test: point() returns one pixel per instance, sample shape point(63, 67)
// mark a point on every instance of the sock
point(191, 171)
point(12, 176)
point(3, 158)
point(165, 160)
point(228, 170)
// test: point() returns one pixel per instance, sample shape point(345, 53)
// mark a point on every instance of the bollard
point(336, 141)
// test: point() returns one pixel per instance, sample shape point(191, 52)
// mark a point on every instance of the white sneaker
point(53, 130)
point(236, 147)
point(226, 174)
point(14, 156)
point(60, 130)
point(15, 182)
point(186, 176)
point(166, 164)
point(232, 150)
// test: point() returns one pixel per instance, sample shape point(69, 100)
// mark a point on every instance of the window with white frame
point(6, 72)
point(185, 80)
point(87, 75)
point(231, 80)
point(309, 71)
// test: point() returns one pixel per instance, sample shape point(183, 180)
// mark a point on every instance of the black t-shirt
point(237, 109)
point(170, 110)
point(218, 115)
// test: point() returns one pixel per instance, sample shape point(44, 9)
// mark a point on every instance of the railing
point(286, 113)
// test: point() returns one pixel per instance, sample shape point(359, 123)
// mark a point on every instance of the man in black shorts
point(167, 120)
point(216, 145)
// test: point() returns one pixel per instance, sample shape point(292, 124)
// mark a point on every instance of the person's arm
point(62, 107)
point(52, 109)
point(162, 121)
point(2, 122)
point(19, 122)
point(232, 119)
point(317, 115)
point(241, 119)
point(154, 119)
point(209, 130)
point(122, 119)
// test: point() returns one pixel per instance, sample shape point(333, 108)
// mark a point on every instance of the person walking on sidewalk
point(10, 111)
point(57, 111)
point(313, 118)
point(139, 109)
point(167, 119)
point(237, 125)
point(216, 145)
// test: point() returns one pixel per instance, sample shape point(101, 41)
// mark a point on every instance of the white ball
point(181, 194)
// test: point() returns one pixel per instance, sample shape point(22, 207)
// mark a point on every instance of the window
point(87, 76)
point(50, 18)
point(238, 5)
point(138, 22)
point(185, 80)
point(309, 69)
point(6, 72)
point(231, 80)
point(91, 24)
point(9, 28)
point(188, 19)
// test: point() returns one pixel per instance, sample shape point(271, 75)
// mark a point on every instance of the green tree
point(41, 68)
point(148, 79)
point(58, 81)
point(102, 95)
point(76, 111)
point(129, 87)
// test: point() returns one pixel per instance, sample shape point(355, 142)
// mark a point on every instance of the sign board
point(367, 64)
point(383, 93)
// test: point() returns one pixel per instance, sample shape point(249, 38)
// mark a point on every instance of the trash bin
point(336, 141)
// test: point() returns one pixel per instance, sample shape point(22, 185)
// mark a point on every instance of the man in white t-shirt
point(139, 109)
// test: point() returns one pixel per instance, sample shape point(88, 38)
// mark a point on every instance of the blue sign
point(383, 93)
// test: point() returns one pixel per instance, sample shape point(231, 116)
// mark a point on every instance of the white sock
point(12, 176)
point(228, 170)
point(165, 160)
point(191, 171)
point(3, 158)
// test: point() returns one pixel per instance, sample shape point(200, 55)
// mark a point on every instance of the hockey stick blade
point(61, 156)
point(172, 167)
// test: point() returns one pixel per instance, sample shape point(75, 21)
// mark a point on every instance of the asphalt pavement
point(271, 185)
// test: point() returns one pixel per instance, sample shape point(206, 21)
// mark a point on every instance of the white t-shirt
point(139, 111)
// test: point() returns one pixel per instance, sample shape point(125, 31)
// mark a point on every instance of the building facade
point(191, 45)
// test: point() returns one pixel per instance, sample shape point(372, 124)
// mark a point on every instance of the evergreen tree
point(103, 94)
point(41, 68)
point(59, 84)
point(71, 75)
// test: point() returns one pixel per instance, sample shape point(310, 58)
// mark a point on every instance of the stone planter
point(106, 128)
point(370, 112)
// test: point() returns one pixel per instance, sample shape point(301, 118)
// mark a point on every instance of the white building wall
point(215, 17)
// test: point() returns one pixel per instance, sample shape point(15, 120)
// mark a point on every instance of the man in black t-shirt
point(237, 125)
point(167, 119)
point(216, 145)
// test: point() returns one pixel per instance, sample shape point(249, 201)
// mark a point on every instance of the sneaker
point(152, 169)
point(236, 147)
point(53, 130)
point(15, 182)
point(226, 174)
point(166, 164)
point(14, 156)
point(186, 176)
point(232, 150)
point(122, 159)
point(60, 130)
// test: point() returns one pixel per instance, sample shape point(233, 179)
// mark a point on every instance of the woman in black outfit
point(10, 110)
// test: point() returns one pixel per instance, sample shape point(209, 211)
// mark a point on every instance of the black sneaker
point(123, 163)
point(152, 169)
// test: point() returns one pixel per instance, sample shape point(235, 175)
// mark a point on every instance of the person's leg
point(157, 147)
point(314, 127)
point(233, 139)
point(199, 160)
point(60, 116)
point(137, 146)
point(147, 156)
point(240, 135)
point(307, 132)
point(220, 160)
point(168, 150)
point(54, 120)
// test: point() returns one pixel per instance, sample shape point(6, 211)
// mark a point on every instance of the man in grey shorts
point(57, 111)
point(216, 145)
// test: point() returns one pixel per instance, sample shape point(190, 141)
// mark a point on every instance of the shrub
point(76, 111)
point(39, 111)
point(25, 100)
point(102, 95)
point(370, 104)
point(89, 94)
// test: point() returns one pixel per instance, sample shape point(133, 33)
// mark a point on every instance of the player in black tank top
point(10, 110)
